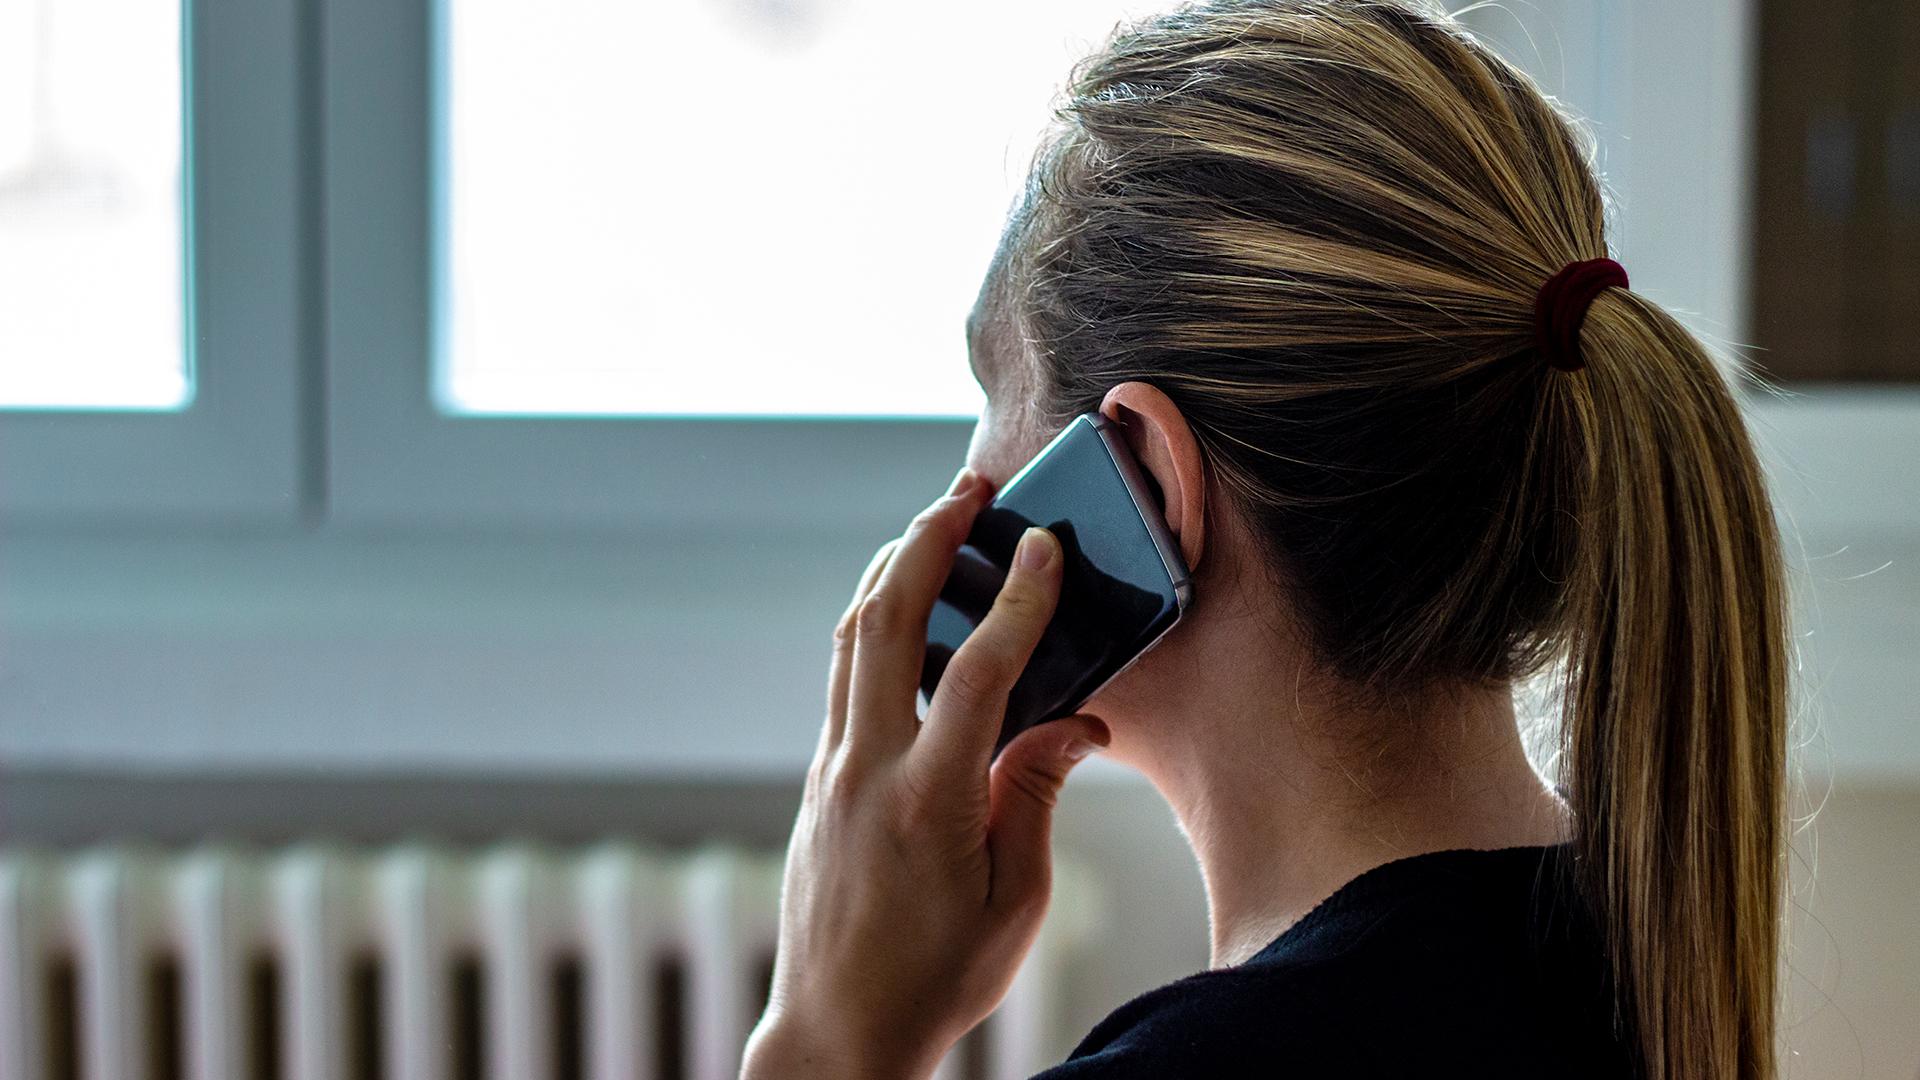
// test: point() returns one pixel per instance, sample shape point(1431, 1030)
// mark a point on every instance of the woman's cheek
point(1003, 441)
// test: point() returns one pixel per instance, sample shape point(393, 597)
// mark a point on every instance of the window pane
point(90, 205)
point(739, 207)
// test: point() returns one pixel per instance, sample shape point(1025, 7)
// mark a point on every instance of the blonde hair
point(1319, 227)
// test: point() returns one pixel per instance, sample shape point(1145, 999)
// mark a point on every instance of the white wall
point(1852, 962)
point(1665, 86)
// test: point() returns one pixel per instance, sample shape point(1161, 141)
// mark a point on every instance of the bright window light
point(733, 207)
point(90, 205)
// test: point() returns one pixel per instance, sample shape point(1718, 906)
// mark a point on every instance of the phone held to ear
point(1125, 582)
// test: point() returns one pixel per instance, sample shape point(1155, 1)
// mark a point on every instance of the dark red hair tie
point(1561, 307)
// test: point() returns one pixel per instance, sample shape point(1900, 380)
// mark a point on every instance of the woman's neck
point(1286, 796)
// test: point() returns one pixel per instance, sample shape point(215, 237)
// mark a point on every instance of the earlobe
point(1167, 451)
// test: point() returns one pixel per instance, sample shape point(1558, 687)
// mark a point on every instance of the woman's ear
point(1159, 437)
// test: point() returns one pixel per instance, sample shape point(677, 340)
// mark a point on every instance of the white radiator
point(416, 963)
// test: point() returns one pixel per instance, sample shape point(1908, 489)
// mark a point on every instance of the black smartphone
point(1125, 582)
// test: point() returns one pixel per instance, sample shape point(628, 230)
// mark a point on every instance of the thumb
point(1024, 787)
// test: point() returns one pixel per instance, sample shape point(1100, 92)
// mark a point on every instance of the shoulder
point(1444, 961)
point(1215, 1024)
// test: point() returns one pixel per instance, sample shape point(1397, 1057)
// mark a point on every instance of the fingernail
point(1035, 550)
point(1080, 748)
point(963, 482)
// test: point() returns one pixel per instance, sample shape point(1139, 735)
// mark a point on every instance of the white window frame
point(234, 452)
point(394, 457)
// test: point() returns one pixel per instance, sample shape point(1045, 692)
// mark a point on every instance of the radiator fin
point(417, 962)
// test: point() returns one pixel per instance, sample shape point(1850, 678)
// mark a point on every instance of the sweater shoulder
point(1399, 974)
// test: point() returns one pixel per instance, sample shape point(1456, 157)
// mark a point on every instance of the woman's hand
point(917, 876)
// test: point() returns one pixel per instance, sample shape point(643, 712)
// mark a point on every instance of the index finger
point(970, 704)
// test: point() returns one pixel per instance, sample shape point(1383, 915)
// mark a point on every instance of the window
point(90, 206)
point(774, 208)
point(153, 246)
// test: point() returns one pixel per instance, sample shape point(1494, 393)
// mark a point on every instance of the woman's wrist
point(789, 1048)
point(782, 1053)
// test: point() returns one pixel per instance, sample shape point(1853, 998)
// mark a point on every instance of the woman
point(1337, 271)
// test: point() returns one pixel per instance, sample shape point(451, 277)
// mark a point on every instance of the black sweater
point(1453, 963)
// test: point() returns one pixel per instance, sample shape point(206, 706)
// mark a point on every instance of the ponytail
point(1675, 710)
